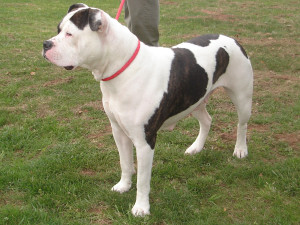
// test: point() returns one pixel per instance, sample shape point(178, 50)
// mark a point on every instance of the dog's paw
point(139, 210)
point(121, 187)
point(240, 152)
point(192, 150)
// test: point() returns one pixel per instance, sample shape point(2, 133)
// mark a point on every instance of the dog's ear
point(95, 20)
point(77, 6)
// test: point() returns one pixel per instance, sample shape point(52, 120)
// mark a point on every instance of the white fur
point(131, 99)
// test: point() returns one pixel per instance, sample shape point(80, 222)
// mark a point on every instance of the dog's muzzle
point(47, 45)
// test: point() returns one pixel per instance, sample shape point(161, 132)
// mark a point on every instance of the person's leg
point(142, 19)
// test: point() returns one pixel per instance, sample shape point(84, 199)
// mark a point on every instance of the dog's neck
point(119, 44)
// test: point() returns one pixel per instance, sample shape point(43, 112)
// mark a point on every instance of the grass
point(58, 159)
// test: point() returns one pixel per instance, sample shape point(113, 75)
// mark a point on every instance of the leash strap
point(120, 9)
point(132, 57)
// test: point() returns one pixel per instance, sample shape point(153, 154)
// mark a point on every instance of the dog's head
point(78, 42)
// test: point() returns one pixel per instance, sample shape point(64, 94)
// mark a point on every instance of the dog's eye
point(69, 34)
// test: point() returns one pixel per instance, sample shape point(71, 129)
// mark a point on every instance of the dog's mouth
point(69, 67)
point(45, 56)
point(66, 67)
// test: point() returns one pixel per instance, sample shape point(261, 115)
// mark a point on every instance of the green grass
point(58, 159)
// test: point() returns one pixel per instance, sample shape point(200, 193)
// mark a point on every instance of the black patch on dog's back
point(187, 85)
point(222, 61)
point(203, 40)
point(242, 49)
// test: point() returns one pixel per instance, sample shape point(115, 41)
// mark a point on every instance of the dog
point(145, 89)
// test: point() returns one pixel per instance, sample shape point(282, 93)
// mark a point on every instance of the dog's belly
point(170, 122)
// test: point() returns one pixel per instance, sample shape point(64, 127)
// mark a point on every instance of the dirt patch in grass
point(97, 138)
point(83, 110)
point(102, 221)
point(11, 197)
point(228, 131)
point(260, 128)
point(185, 36)
point(164, 2)
point(97, 105)
point(87, 172)
point(16, 108)
point(275, 47)
point(44, 109)
point(272, 83)
point(20, 4)
point(291, 138)
point(229, 136)
point(209, 14)
point(267, 40)
point(99, 211)
point(189, 17)
point(58, 81)
point(217, 15)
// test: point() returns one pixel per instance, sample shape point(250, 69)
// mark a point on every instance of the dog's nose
point(47, 45)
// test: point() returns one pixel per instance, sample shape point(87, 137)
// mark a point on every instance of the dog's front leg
point(145, 159)
point(125, 148)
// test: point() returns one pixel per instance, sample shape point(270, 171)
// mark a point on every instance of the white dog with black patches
point(150, 88)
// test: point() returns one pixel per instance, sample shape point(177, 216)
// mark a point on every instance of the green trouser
point(142, 19)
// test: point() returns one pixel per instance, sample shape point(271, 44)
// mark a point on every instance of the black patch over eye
point(80, 18)
point(86, 16)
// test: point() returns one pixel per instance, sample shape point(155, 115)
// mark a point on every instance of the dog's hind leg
point(201, 114)
point(242, 99)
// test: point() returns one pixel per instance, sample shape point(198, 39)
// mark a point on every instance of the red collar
point(126, 64)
